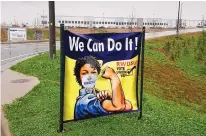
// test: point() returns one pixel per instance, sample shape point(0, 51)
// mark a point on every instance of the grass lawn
point(174, 101)
point(182, 80)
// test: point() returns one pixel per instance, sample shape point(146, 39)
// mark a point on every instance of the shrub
point(185, 51)
point(167, 46)
point(200, 47)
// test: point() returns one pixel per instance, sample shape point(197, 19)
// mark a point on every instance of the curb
point(29, 41)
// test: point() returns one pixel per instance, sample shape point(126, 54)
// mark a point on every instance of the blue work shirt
point(88, 105)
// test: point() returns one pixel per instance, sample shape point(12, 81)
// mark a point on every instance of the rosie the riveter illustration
point(91, 102)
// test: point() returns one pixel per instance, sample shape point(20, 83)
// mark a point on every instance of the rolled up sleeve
point(88, 106)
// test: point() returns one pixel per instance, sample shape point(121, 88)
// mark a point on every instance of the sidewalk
point(13, 85)
point(4, 126)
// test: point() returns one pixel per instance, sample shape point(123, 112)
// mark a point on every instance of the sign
point(44, 22)
point(43, 16)
point(17, 34)
point(99, 74)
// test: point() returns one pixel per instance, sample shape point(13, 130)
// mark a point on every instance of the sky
point(27, 11)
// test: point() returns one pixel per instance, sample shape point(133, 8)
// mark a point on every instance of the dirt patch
point(102, 30)
point(162, 50)
point(203, 61)
point(4, 35)
point(174, 85)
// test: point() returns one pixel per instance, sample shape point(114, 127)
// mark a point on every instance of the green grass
point(155, 55)
point(43, 68)
point(192, 68)
point(45, 34)
point(101, 30)
point(30, 34)
point(37, 113)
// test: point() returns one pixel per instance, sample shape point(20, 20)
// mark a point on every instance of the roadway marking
point(22, 55)
point(6, 48)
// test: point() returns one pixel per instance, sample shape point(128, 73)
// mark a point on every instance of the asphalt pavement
point(11, 52)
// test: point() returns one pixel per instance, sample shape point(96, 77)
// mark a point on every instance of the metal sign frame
point(62, 75)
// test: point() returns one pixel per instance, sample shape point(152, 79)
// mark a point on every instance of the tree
point(131, 20)
point(4, 24)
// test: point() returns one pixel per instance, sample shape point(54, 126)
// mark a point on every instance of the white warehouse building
point(107, 22)
point(115, 22)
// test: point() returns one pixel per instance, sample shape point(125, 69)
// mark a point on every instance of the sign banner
point(100, 76)
point(17, 34)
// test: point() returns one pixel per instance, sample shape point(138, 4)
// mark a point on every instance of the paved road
point(11, 52)
point(166, 33)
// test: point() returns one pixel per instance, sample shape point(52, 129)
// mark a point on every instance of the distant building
point(121, 22)
point(107, 22)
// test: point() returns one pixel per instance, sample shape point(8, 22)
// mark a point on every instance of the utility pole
point(181, 16)
point(43, 19)
point(37, 19)
point(103, 19)
point(52, 37)
point(178, 19)
point(203, 21)
point(14, 20)
point(153, 21)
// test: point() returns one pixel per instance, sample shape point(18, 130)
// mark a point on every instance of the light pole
point(203, 21)
point(103, 19)
point(181, 16)
point(153, 22)
point(43, 19)
point(37, 19)
point(14, 20)
point(52, 36)
point(178, 19)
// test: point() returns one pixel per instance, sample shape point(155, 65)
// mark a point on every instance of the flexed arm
point(117, 101)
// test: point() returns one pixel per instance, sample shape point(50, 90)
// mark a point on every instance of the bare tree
point(131, 20)
point(3, 24)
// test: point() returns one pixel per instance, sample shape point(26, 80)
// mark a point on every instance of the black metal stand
point(137, 76)
point(142, 71)
point(62, 74)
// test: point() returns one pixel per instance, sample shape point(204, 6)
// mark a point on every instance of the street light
point(37, 19)
point(43, 19)
point(153, 22)
point(178, 18)
point(203, 21)
point(181, 16)
point(14, 20)
point(103, 19)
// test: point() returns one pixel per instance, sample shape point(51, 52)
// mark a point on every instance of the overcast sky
point(28, 11)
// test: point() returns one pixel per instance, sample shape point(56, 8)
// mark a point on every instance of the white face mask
point(89, 81)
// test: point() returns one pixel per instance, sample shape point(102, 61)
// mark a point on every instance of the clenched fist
point(108, 73)
point(102, 95)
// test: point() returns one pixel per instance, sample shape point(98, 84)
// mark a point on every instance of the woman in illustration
point(91, 102)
